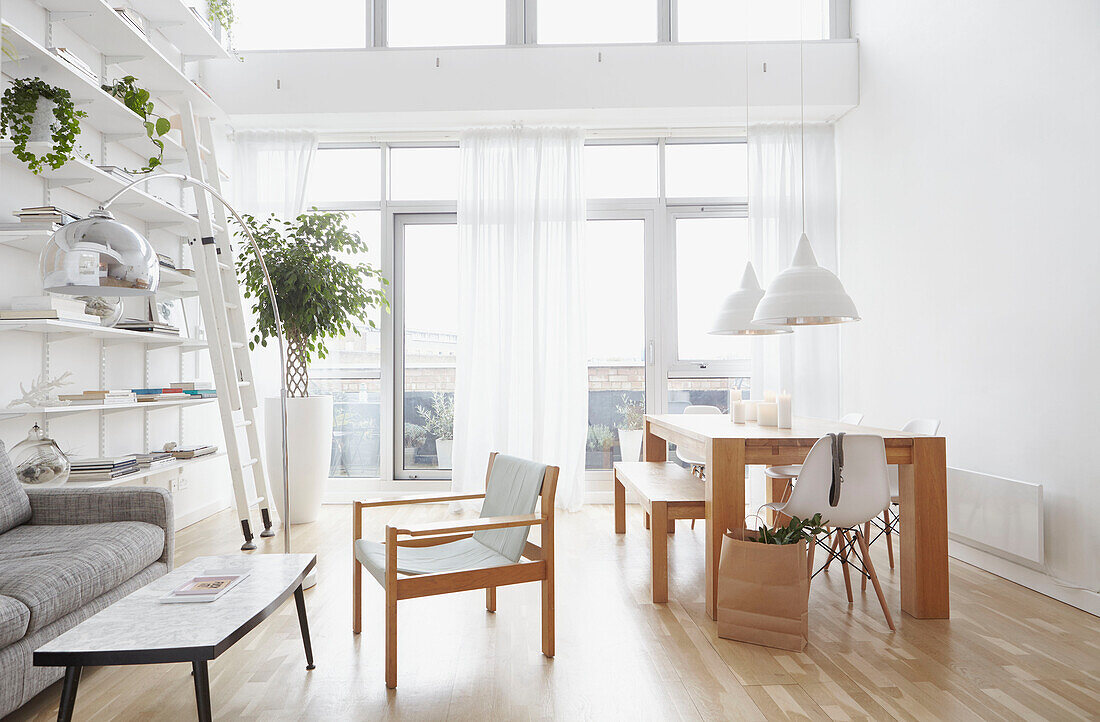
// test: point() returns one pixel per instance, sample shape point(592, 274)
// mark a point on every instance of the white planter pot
point(43, 123)
point(630, 444)
point(443, 449)
point(309, 449)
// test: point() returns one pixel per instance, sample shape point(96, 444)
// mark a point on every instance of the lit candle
point(769, 396)
point(784, 410)
point(737, 411)
point(750, 410)
point(767, 412)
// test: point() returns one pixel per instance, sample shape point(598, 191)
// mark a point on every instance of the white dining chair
point(889, 526)
point(789, 472)
point(698, 465)
point(864, 488)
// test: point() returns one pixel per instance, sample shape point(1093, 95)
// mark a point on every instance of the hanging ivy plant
point(17, 117)
point(137, 100)
point(221, 12)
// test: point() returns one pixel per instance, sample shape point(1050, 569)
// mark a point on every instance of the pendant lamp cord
point(802, 102)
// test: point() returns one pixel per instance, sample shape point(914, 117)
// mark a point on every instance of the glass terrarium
point(39, 461)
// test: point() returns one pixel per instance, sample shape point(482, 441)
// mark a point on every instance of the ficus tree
point(322, 291)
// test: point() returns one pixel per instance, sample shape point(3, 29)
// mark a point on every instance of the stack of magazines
point(48, 308)
point(140, 324)
point(105, 469)
point(76, 63)
point(154, 459)
point(133, 19)
point(96, 396)
point(191, 452)
point(45, 214)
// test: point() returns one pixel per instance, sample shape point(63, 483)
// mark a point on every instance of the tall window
point(437, 23)
point(597, 21)
point(725, 20)
point(292, 25)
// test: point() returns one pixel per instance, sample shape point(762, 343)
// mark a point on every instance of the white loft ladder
point(220, 299)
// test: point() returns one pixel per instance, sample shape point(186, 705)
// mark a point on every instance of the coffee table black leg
point(300, 601)
point(68, 694)
point(202, 689)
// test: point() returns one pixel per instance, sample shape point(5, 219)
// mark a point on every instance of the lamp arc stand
point(275, 312)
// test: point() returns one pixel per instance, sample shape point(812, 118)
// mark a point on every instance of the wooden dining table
point(730, 448)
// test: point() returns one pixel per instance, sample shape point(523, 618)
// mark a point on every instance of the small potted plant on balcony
point(321, 296)
point(630, 428)
point(415, 436)
point(600, 443)
point(33, 111)
point(439, 421)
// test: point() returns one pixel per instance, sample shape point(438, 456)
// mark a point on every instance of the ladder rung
point(224, 266)
point(231, 305)
point(250, 462)
point(244, 383)
point(257, 500)
point(240, 424)
point(237, 345)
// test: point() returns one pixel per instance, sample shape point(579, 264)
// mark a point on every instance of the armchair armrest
point(70, 507)
point(469, 525)
point(417, 499)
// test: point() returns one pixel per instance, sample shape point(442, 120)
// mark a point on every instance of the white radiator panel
point(998, 515)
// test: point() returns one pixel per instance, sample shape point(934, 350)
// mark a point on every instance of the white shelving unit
point(63, 330)
point(146, 473)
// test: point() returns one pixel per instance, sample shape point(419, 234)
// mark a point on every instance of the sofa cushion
point(15, 507)
point(54, 570)
point(14, 619)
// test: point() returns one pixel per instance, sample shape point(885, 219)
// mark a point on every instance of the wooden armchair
point(457, 556)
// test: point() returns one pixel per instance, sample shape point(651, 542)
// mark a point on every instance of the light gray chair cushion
point(54, 570)
point(15, 507)
point(513, 489)
point(14, 620)
point(453, 557)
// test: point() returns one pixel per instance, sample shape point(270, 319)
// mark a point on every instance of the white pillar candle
point(735, 395)
point(766, 413)
point(769, 396)
point(737, 411)
point(784, 410)
point(750, 410)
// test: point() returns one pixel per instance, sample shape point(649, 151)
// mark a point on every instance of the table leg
point(202, 689)
point(654, 448)
point(925, 589)
point(300, 602)
point(724, 505)
point(68, 694)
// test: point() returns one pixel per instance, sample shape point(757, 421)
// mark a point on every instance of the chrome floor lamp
point(75, 256)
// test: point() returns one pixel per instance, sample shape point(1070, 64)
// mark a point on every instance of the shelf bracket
point(193, 58)
point(64, 16)
point(66, 182)
point(115, 137)
point(116, 59)
point(62, 336)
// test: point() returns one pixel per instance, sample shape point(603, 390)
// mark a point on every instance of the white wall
point(968, 234)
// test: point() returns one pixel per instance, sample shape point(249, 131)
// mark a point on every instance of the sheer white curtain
point(806, 363)
point(271, 169)
point(522, 377)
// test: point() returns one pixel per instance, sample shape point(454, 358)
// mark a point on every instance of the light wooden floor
point(1007, 653)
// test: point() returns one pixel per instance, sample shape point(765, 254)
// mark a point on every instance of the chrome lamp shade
point(98, 256)
point(736, 313)
point(805, 294)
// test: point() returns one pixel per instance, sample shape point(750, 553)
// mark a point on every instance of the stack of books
point(132, 19)
point(104, 397)
point(76, 63)
point(105, 469)
point(48, 308)
point(191, 452)
point(45, 214)
point(195, 389)
point(202, 18)
point(154, 459)
point(152, 395)
point(166, 261)
point(140, 324)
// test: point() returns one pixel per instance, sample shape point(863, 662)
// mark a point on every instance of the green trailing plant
point(415, 436)
point(795, 531)
point(223, 13)
point(17, 116)
point(632, 412)
point(137, 99)
point(320, 295)
point(600, 438)
point(439, 420)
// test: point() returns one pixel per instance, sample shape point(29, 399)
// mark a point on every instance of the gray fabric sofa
point(66, 554)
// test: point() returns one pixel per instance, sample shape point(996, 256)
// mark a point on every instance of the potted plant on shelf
point(764, 584)
point(630, 428)
point(598, 448)
point(33, 111)
point(415, 436)
point(138, 100)
point(439, 421)
point(320, 296)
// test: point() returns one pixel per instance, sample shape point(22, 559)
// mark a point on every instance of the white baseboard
point(1083, 599)
point(192, 517)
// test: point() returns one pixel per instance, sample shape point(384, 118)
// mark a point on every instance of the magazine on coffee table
point(206, 588)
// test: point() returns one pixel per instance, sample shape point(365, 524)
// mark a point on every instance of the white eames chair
point(789, 472)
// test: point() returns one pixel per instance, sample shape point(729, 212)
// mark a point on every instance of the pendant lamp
point(735, 315)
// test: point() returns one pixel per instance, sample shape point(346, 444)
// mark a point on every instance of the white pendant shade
point(805, 294)
point(735, 315)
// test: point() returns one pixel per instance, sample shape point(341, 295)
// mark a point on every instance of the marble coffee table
point(139, 629)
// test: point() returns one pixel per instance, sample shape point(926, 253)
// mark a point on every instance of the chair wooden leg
point(660, 553)
point(833, 549)
point(620, 507)
point(692, 523)
point(874, 578)
point(863, 577)
point(842, 537)
point(889, 534)
point(391, 607)
point(491, 599)
point(356, 596)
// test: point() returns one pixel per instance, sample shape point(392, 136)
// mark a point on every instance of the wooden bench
point(667, 492)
